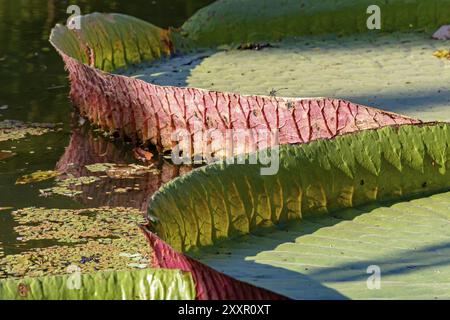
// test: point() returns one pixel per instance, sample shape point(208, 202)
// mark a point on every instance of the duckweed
point(92, 239)
point(37, 176)
point(120, 171)
point(66, 187)
point(15, 130)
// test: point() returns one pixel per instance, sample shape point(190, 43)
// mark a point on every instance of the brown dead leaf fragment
point(142, 155)
point(6, 154)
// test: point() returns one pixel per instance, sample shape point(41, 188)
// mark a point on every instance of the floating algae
point(99, 167)
point(442, 54)
point(70, 185)
point(15, 130)
point(37, 176)
point(2, 254)
point(90, 239)
point(120, 171)
point(67, 187)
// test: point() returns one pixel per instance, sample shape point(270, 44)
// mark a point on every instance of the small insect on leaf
point(37, 177)
point(23, 290)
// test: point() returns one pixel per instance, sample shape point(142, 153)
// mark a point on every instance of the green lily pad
point(335, 210)
point(328, 257)
point(405, 62)
point(148, 284)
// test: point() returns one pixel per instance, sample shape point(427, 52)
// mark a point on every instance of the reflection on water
point(33, 83)
point(34, 87)
point(86, 148)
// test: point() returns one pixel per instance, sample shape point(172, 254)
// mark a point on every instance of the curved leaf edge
point(220, 201)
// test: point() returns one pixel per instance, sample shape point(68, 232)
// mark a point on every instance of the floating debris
point(6, 154)
point(72, 181)
point(142, 155)
point(100, 167)
point(37, 176)
point(61, 191)
point(442, 54)
point(74, 225)
point(254, 46)
point(92, 239)
point(121, 171)
point(2, 254)
point(67, 187)
point(123, 190)
point(6, 208)
point(15, 130)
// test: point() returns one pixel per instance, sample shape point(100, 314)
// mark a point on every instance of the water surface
point(34, 87)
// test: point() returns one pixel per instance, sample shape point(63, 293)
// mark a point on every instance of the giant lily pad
point(217, 217)
point(335, 256)
point(395, 72)
point(147, 284)
point(236, 21)
point(326, 165)
point(142, 110)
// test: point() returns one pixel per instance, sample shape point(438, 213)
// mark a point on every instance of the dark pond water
point(34, 87)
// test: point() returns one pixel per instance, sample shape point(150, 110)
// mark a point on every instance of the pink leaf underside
point(210, 284)
point(152, 114)
point(443, 33)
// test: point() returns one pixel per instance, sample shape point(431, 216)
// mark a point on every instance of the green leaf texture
point(148, 284)
point(237, 21)
point(328, 257)
point(112, 41)
point(223, 201)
